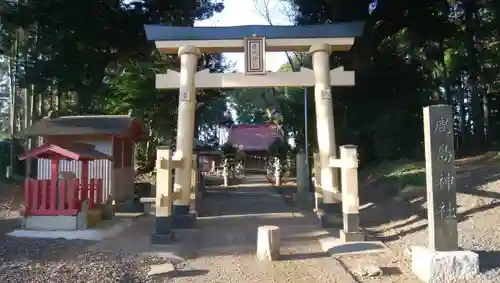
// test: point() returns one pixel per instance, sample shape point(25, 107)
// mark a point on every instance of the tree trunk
point(473, 75)
point(13, 102)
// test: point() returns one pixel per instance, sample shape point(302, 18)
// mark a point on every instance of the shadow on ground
point(9, 224)
point(473, 174)
point(231, 217)
point(349, 248)
point(179, 273)
point(488, 260)
point(246, 200)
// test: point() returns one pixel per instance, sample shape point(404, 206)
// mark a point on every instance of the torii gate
point(254, 41)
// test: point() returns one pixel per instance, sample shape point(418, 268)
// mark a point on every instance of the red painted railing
point(64, 197)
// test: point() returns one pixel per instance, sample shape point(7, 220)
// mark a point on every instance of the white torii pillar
point(185, 136)
point(325, 129)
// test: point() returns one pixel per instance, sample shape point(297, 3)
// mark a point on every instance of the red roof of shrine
point(246, 137)
point(73, 151)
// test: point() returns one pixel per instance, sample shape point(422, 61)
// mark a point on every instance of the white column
point(277, 171)
point(185, 123)
point(225, 172)
point(324, 120)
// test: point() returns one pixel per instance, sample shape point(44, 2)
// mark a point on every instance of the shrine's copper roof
point(246, 137)
point(175, 33)
point(88, 125)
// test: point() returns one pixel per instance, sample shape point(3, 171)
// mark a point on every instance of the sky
point(243, 12)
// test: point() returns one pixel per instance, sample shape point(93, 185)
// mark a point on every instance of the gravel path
point(57, 260)
point(229, 241)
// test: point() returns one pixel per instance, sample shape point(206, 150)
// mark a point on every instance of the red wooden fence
point(64, 197)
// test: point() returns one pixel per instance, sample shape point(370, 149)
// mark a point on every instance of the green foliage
point(92, 57)
point(228, 150)
point(404, 171)
point(279, 149)
point(412, 54)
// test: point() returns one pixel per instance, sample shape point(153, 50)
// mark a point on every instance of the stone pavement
point(222, 248)
point(228, 234)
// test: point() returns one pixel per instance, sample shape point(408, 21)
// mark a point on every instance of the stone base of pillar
point(332, 208)
point(183, 218)
point(186, 221)
point(436, 267)
point(163, 231)
point(347, 237)
point(329, 220)
point(330, 215)
point(162, 239)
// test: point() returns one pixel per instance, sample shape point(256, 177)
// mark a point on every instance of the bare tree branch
point(263, 9)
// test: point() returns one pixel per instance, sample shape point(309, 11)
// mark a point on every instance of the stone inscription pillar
point(185, 135)
point(325, 126)
point(440, 178)
point(442, 261)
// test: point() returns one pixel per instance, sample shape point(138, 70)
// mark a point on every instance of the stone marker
point(442, 261)
point(268, 243)
point(440, 178)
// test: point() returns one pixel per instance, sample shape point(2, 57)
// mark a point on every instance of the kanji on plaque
point(255, 53)
point(184, 96)
point(326, 93)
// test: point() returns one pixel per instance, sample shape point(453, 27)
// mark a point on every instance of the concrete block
point(184, 221)
point(268, 243)
point(149, 205)
point(433, 267)
point(351, 236)
point(162, 239)
point(51, 223)
point(329, 220)
point(94, 217)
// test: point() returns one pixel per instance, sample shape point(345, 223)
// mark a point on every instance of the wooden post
point(350, 195)
point(268, 243)
point(440, 178)
point(225, 172)
point(194, 175)
point(85, 179)
point(164, 197)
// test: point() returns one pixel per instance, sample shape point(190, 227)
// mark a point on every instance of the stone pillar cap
point(325, 47)
point(189, 50)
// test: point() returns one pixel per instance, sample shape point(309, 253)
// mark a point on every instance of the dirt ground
point(403, 223)
point(11, 199)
